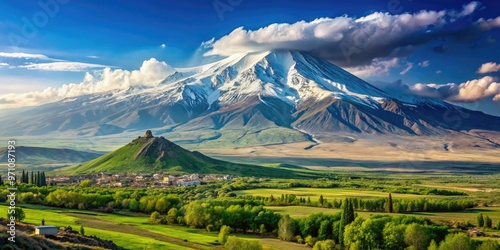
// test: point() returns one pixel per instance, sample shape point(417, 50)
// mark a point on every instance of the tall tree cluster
point(37, 178)
point(346, 218)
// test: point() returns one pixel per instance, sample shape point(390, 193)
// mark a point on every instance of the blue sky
point(123, 34)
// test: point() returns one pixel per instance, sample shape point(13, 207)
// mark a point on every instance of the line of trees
point(372, 205)
point(239, 216)
point(37, 178)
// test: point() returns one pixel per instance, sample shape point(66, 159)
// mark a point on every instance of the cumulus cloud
point(4, 64)
point(163, 46)
point(467, 92)
point(488, 68)
point(489, 23)
point(151, 73)
point(62, 66)
point(348, 41)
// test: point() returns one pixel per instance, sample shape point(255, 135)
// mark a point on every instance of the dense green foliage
point(17, 212)
point(224, 234)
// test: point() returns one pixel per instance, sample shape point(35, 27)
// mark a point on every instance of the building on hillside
point(168, 180)
point(184, 183)
point(46, 230)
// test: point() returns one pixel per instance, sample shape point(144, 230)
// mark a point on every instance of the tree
point(347, 217)
point(155, 217)
point(321, 200)
point(324, 230)
point(488, 223)
point(134, 205)
point(224, 233)
point(262, 229)
point(234, 243)
point(498, 225)
point(162, 205)
point(82, 230)
point(86, 183)
point(458, 241)
point(389, 204)
point(480, 220)
point(17, 212)
point(393, 236)
point(489, 245)
point(286, 228)
point(38, 179)
point(172, 215)
point(310, 241)
point(324, 245)
point(417, 236)
point(43, 180)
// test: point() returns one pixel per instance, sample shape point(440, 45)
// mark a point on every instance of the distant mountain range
point(38, 156)
point(149, 154)
point(256, 98)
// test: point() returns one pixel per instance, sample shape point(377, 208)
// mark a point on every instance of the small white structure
point(46, 230)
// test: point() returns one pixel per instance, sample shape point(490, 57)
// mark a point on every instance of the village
point(138, 180)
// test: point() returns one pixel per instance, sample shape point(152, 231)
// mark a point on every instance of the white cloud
point(163, 46)
point(469, 91)
point(151, 73)
point(424, 64)
point(330, 37)
point(409, 66)
point(4, 64)
point(488, 68)
point(467, 9)
point(93, 57)
point(346, 41)
point(489, 24)
point(25, 56)
point(62, 66)
point(439, 72)
point(377, 67)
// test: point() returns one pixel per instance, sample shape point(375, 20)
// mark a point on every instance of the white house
point(46, 230)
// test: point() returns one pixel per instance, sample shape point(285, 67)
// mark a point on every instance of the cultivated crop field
point(329, 193)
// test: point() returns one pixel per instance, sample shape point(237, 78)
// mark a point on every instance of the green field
point(133, 231)
point(469, 214)
point(123, 235)
point(329, 193)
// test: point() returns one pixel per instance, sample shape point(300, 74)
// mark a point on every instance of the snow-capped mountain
point(277, 89)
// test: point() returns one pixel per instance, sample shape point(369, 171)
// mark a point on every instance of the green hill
point(148, 154)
